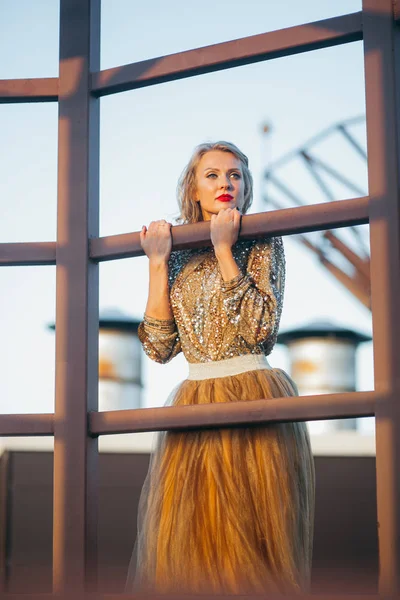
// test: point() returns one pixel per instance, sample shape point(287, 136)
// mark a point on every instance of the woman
point(224, 510)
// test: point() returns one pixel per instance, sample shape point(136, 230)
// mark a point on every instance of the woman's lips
point(225, 198)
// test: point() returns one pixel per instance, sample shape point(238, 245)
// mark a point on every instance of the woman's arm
point(158, 332)
point(252, 300)
point(156, 242)
point(224, 231)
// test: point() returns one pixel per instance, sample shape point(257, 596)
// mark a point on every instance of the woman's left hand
point(225, 228)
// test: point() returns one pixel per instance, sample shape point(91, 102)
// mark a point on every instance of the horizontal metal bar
point(38, 596)
point(286, 596)
point(28, 90)
point(45, 596)
point(244, 51)
point(294, 408)
point(150, 596)
point(280, 222)
point(285, 221)
point(24, 424)
point(28, 253)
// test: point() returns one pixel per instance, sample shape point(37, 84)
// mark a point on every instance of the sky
point(146, 138)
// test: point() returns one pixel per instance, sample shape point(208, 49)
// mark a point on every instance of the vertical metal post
point(382, 76)
point(5, 484)
point(75, 455)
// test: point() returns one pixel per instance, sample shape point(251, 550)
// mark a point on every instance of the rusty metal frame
point(325, 406)
point(76, 424)
point(28, 90)
point(382, 81)
point(111, 596)
point(5, 470)
point(77, 292)
point(282, 222)
point(244, 51)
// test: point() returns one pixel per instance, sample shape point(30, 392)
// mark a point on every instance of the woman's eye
point(214, 175)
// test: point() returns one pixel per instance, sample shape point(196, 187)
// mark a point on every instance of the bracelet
point(163, 325)
point(230, 285)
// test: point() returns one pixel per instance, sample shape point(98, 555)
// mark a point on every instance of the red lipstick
point(225, 198)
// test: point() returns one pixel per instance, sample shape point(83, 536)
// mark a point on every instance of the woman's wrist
point(158, 263)
point(223, 252)
point(227, 263)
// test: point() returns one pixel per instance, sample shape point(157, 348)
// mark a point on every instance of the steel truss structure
point(328, 245)
point(76, 424)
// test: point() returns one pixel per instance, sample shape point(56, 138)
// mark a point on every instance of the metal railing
point(76, 424)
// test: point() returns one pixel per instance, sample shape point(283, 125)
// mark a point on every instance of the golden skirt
point(227, 510)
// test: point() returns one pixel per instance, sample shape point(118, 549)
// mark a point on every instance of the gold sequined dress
point(225, 510)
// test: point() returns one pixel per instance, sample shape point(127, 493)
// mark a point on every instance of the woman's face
point(219, 183)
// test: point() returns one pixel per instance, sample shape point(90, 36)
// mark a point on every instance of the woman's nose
point(226, 183)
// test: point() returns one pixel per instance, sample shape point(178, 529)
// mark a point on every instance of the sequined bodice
point(213, 319)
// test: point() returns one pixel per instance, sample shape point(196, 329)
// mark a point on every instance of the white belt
point(228, 367)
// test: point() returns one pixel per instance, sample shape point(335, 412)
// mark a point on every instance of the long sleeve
point(159, 338)
point(253, 300)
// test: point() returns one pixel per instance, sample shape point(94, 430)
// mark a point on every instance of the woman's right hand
point(156, 241)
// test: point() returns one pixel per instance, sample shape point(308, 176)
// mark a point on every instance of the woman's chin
point(224, 206)
point(217, 209)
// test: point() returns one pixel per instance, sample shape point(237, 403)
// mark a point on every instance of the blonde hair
point(190, 211)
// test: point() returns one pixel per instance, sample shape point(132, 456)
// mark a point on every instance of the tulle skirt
point(227, 510)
